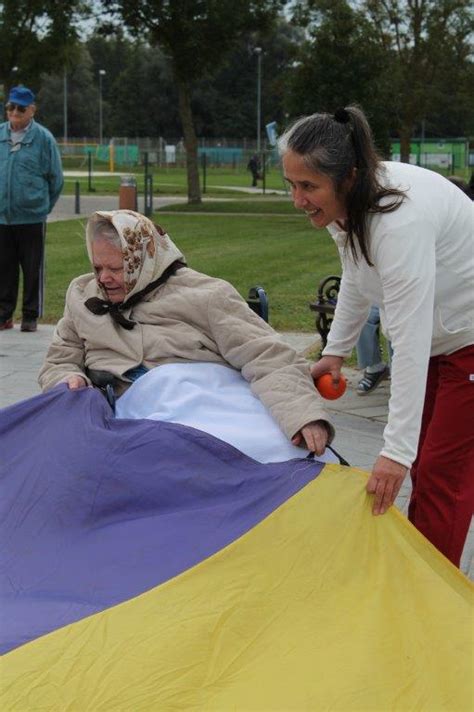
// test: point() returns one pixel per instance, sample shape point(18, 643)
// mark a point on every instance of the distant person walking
point(31, 180)
point(254, 167)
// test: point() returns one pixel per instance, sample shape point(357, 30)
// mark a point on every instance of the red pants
point(442, 500)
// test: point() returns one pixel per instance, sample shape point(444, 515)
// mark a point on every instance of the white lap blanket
point(215, 399)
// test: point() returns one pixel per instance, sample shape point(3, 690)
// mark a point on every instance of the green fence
point(127, 155)
point(447, 155)
point(123, 155)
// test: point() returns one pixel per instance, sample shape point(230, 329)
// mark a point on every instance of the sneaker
point(7, 324)
point(29, 325)
point(370, 381)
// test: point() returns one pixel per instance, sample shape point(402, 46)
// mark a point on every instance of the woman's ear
point(350, 180)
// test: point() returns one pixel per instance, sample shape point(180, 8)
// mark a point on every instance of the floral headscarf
point(149, 258)
point(147, 250)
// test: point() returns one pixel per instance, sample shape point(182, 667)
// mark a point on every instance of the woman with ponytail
point(406, 241)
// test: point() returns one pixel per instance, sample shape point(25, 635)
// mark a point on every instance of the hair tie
point(342, 116)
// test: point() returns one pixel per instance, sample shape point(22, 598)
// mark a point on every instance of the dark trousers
point(442, 500)
point(22, 246)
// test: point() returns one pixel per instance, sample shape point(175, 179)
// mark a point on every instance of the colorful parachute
point(150, 566)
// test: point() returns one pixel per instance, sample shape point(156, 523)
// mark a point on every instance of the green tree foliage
point(340, 62)
point(139, 97)
point(192, 64)
point(196, 35)
point(82, 99)
point(226, 107)
point(36, 36)
point(138, 88)
point(430, 47)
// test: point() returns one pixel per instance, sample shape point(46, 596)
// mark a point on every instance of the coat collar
point(5, 131)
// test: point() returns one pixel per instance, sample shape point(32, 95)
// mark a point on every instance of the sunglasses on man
point(12, 107)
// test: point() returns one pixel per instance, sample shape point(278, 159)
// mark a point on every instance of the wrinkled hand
point(315, 435)
point(385, 482)
point(328, 364)
point(75, 382)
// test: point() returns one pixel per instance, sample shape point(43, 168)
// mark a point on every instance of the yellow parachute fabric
point(319, 607)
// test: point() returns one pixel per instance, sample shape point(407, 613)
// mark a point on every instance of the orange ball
point(327, 388)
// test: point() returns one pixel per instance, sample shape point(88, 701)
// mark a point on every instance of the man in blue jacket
point(31, 180)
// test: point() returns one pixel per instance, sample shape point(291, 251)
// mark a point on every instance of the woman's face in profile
point(312, 192)
point(108, 266)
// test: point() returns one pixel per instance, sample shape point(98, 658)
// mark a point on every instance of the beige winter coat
point(192, 317)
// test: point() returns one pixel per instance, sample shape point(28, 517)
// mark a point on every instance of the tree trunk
point(405, 140)
point(190, 142)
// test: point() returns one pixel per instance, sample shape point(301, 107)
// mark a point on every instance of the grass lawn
point(284, 254)
point(263, 205)
point(109, 185)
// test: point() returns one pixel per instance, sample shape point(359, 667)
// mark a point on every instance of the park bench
point(258, 302)
point(325, 305)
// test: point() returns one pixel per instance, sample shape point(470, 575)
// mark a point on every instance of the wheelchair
point(257, 300)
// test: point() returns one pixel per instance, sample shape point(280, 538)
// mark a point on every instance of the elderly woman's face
point(313, 192)
point(108, 266)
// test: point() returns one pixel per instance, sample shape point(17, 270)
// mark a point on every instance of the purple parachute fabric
point(95, 510)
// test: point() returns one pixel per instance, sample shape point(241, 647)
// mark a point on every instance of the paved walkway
point(254, 191)
point(359, 421)
point(65, 207)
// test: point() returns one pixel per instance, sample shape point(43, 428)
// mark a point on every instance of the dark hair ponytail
point(341, 146)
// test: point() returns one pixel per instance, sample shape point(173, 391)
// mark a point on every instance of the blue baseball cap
point(21, 96)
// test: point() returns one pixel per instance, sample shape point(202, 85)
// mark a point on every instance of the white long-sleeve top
point(422, 279)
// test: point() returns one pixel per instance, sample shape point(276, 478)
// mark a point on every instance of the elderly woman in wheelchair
point(175, 344)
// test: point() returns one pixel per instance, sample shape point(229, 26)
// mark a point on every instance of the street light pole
point(258, 52)
point(65, 104)
point(422, 147)
point(14, 75)
point(102, 72)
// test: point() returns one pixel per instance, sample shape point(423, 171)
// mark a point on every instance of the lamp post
point(258, 52)
point(14, 76)
point(65, 105)
point(422, 142)
point(102, 73)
